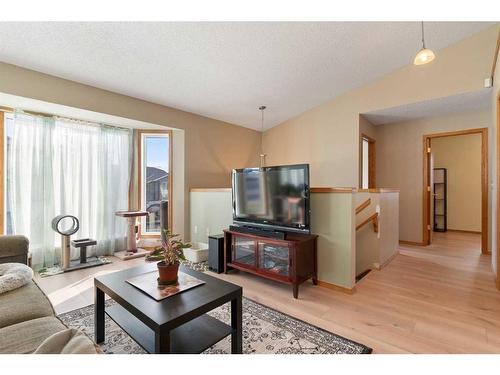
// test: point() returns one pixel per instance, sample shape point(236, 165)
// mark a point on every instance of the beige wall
point(367, 128)
point(399, 161)
point(212, 148)
point(461, 156)
point(375, 250)
point(211, 213)
point(333, 220)
point(327, 136)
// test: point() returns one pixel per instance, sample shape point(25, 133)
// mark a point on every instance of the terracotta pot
point(168, 273)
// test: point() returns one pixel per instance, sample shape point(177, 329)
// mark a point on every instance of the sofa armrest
point(14, 249)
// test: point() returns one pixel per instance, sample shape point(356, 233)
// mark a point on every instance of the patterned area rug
point(265, 331)
point(202, 266)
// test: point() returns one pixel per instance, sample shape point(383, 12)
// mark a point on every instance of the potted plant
point(169, 255)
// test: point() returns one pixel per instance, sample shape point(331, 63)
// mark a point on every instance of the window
point(367, 162)
point(60, 166)
point(365, 170)
point(155, 149)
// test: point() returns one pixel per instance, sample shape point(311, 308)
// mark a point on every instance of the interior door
point(432, 193)
point(427, 193)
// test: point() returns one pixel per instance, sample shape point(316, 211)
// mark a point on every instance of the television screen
point(272, 196)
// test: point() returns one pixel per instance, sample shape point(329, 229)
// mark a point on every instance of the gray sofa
point(27, 317)
point(14, 249)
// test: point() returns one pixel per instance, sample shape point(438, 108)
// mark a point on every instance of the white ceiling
point(225, 70)
point(470, 101)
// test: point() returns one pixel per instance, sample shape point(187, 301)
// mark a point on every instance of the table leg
point(295, 290)
point(162, 342)
point(237, 325)
point(83, 254)
point(98, 315)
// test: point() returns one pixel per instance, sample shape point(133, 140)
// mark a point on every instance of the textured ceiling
point(470, 101)
point(225, 70)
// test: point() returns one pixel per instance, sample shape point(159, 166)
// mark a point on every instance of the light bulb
point(424, 56)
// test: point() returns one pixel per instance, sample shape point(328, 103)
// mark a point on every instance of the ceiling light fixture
point(262, 155)
point(425, 55)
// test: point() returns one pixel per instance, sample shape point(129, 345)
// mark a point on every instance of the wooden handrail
point(374, 219)
point(363, 205)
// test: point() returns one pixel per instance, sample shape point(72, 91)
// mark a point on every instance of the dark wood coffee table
point(177, 324)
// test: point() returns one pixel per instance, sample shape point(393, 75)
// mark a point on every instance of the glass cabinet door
point(274, 258)
point(244, 251)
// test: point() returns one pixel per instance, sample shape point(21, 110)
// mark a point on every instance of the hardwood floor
point(436, 299)
point(75, 289)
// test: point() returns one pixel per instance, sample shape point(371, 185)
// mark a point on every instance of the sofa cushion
point(12, 246)
point(69, 341)
point(25, 337)
point(13, 276)
point(25, 303)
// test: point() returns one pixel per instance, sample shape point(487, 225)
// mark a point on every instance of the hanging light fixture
point(262, 155)
point(425, 55)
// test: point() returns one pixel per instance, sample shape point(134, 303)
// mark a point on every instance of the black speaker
point(216, 253)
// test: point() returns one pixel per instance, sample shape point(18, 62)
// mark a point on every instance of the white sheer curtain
point(61, 166)
point(30, 183)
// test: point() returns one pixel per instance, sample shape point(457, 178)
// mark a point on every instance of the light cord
point(423, 39)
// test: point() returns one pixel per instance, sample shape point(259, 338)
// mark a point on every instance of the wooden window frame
point(140, 133)
point(371, 161)
point(2, 172)
point(498, 181)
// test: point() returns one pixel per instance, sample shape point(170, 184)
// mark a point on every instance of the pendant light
point(262, 155)
point(425, 55)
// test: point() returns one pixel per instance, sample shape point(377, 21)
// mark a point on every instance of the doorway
point(367, 147)
point(428, 185)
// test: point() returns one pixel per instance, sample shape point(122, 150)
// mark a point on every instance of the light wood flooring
point(436, 299)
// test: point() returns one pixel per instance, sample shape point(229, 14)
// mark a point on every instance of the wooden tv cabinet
point(290, 261)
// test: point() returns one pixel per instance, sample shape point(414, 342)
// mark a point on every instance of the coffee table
point(177, 324)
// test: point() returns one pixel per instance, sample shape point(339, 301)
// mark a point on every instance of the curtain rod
point(12, 110)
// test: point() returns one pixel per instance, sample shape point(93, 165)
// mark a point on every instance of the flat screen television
point(273, 198)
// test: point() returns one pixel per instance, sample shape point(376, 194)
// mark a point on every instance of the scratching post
point(65, 236)
point(131, 251)
point(66, 243)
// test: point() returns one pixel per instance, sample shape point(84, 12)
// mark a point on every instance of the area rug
point(265, 331)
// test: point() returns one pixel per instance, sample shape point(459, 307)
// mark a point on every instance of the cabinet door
point(244, 251)
point(274, 258)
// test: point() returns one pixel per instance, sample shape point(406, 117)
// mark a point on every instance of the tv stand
point(291, 260)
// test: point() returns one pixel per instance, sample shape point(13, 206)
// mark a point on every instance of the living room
point(145, 210)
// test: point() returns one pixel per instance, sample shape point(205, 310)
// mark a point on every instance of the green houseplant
point(168, 256)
